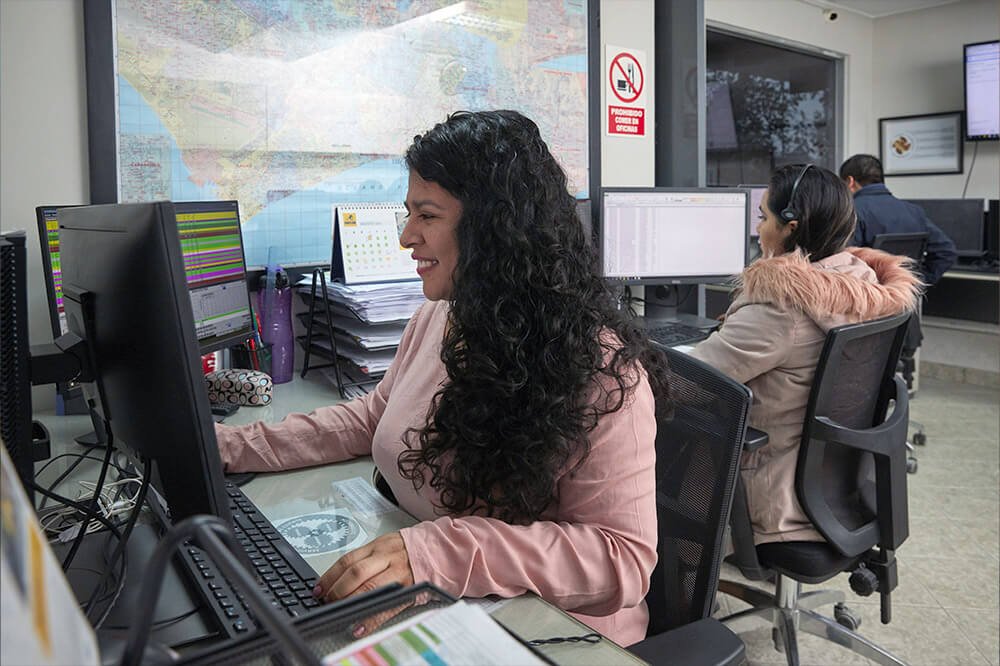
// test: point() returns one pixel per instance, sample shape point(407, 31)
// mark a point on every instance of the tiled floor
point(945, 610)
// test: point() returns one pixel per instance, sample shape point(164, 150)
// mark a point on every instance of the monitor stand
point(70, 400)
point(95, 437)
point(669, 303)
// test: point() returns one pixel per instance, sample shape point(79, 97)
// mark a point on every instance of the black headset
point(790, 213)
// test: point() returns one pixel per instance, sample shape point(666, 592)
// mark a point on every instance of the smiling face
point(771, 230)
point(431, 232)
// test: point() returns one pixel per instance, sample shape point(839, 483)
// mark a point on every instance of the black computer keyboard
point(283, 576)
point(675, 333)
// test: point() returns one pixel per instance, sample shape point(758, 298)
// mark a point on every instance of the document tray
point(331, 628)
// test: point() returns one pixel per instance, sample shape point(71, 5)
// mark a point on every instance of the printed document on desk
point(457, 634)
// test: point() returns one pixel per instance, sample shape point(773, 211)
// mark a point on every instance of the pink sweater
point(591, 554)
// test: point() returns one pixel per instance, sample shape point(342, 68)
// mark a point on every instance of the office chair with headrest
point(698, 451)
point(851, 482)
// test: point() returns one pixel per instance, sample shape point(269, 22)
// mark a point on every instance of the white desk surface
point(283, 495)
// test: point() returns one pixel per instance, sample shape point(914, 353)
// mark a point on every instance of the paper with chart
point(368, 236)
point(456, 634)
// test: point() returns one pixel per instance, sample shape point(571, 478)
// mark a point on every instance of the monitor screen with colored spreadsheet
point(212, 248)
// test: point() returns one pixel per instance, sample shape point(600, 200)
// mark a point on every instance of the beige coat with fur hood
point(771, 341)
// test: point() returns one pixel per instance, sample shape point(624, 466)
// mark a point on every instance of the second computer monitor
point(756, 197)
point(125, 291)
point(212, 246)
point(655, 235)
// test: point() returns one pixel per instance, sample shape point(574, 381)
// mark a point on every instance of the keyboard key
point(220, 594)
point(225, 603)
point(240, 627)
point(231, 613)
point(290, 601)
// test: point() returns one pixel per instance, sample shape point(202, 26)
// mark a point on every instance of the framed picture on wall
point(921, 145)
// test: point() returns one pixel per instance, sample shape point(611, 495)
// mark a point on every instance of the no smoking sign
point(626, 80)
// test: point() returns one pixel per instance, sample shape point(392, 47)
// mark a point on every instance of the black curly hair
point(531, 367)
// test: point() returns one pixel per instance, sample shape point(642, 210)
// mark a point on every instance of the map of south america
point(291, 106)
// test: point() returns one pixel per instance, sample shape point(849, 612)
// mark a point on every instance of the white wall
point(43, 131)
point(803, 24)
point(918, 69)
point(629, 161)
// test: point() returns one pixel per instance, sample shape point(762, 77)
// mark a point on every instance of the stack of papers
point(369, 362)
point(373, 337)
point(377, 303)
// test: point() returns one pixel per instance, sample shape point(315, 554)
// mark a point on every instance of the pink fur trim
point(792, 281)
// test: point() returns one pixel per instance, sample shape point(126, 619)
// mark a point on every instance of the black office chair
point(851, 481)
point(914, 246)
point(698, 451)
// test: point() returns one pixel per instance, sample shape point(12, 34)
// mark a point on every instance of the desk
point(282, 495)
point(970, 295)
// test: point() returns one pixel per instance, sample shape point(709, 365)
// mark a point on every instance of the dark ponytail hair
point(824, 207)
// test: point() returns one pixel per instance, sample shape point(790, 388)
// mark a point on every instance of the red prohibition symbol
point(627, 85)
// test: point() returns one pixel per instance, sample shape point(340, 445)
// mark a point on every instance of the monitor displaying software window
point(673, 235)
point(212, 248)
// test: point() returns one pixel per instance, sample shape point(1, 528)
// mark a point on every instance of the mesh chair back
point(848, 444)
point(697, 461)
point(907, 245)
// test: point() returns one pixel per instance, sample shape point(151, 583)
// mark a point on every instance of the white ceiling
point(879, 8)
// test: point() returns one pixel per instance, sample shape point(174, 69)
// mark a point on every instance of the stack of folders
point(368, 320)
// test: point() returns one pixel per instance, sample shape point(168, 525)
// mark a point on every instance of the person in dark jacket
point(881, 213)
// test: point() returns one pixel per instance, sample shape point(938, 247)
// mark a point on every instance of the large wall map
point(289, 106)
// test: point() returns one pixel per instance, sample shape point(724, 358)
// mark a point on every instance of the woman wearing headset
point(805, 283)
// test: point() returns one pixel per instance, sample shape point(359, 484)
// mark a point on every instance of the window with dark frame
point(768, 105)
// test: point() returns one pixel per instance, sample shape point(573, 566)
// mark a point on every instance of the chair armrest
point(706, 642)
point(755, 439)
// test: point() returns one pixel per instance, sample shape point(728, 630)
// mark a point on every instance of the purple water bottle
point(276, 325)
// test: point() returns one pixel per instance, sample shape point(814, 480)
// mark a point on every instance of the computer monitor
point(658, 235)
point(982, 91)
point(962, 220)
point(69, 395)
point(756, 196)
point(212, 245)
point(133, 308)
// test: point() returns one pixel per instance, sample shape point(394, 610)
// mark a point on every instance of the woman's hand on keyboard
point(375, 564)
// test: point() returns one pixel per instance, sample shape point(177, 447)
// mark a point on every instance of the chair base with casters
point(789, 612)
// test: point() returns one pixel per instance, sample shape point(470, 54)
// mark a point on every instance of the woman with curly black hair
point(517, 420)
